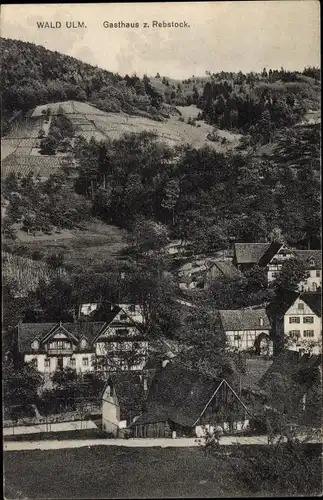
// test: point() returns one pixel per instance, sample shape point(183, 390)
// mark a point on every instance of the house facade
point(302, 323)
point(247, 330)
point(272, 256)
point(117, 343)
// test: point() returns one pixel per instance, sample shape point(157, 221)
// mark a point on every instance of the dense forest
point(201, 195)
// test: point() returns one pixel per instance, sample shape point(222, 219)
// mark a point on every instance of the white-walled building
point(247, 329)
point(303, 324)
point(84, 345)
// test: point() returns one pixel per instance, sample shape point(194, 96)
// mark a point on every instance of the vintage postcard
point(161, 250)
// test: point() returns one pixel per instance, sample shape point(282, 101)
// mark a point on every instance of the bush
point(286, 468)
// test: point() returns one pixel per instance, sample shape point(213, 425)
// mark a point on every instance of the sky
point(220, 36)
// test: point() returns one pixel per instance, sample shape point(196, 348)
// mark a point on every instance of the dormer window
point(312, 262)
point(261, 322)
point(35, 345)
point(83, 343)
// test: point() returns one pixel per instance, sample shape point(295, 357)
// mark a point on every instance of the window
point(308, 333)
point(85, 361)
point(47, 363)
point(122, 331)
point(59, 344)
point(314, 286)
point(132, 308)
point(237, 336)
point(261, 322)
point(123, 316)
point(308, 319)
point(294, 319)
point(34, 363)
point(294, 333)
point(300, 306)
point(318, 274)
point(73, 362)
point(83, 343)
point(35, 345)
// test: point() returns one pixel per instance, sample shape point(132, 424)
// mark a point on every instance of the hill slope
point(33, 75)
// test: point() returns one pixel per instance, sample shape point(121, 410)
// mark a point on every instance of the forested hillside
point(32, 75)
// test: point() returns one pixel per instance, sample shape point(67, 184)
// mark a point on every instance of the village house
point(297, 321)
point(118, 342)
point(201, 272)
point(122, 400)
point(247, 330)
point(273, 255)
point(182, 402)
point(312, 260)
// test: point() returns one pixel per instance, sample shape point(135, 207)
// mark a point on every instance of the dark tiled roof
point(301, 375)
point(130, 393)
point(314, 301)
point(244, 319)
point(27, 332)
point(270, 253)
point(255, 370)
point(306, 255)
point(249, 253)
point(178, 394)
point(227, 269)
point(296, 367)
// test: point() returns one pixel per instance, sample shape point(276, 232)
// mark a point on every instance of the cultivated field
point(20, 147)
point(26, 273)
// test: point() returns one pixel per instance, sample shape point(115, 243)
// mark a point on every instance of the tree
point(172, 193)
point(20, 385)
point(293, 272)
point(48, 145)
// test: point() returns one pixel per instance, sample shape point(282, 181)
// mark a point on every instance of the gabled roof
point(226, 269)
point(314, 301)
point(110, 317)
point(129, 391)
point(306, 255)
point(281, 305)
point(178, 394)
point(271, 251)
point(255, 369)
point(27, 332)
point(249, 253)
point(244, 319)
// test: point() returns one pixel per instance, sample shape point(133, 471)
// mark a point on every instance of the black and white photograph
point(161, 250)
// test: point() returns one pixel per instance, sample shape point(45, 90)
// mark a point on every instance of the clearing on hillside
point(96, 243)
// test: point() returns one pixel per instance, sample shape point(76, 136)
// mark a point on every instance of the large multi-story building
point(118, 342)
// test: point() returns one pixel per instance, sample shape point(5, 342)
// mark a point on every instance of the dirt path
point(137, 443)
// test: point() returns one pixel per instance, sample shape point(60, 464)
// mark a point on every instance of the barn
point(182, 401)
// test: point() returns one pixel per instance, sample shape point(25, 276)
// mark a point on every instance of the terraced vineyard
point(26, 273)
point(24, 163)
point(19, 148)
